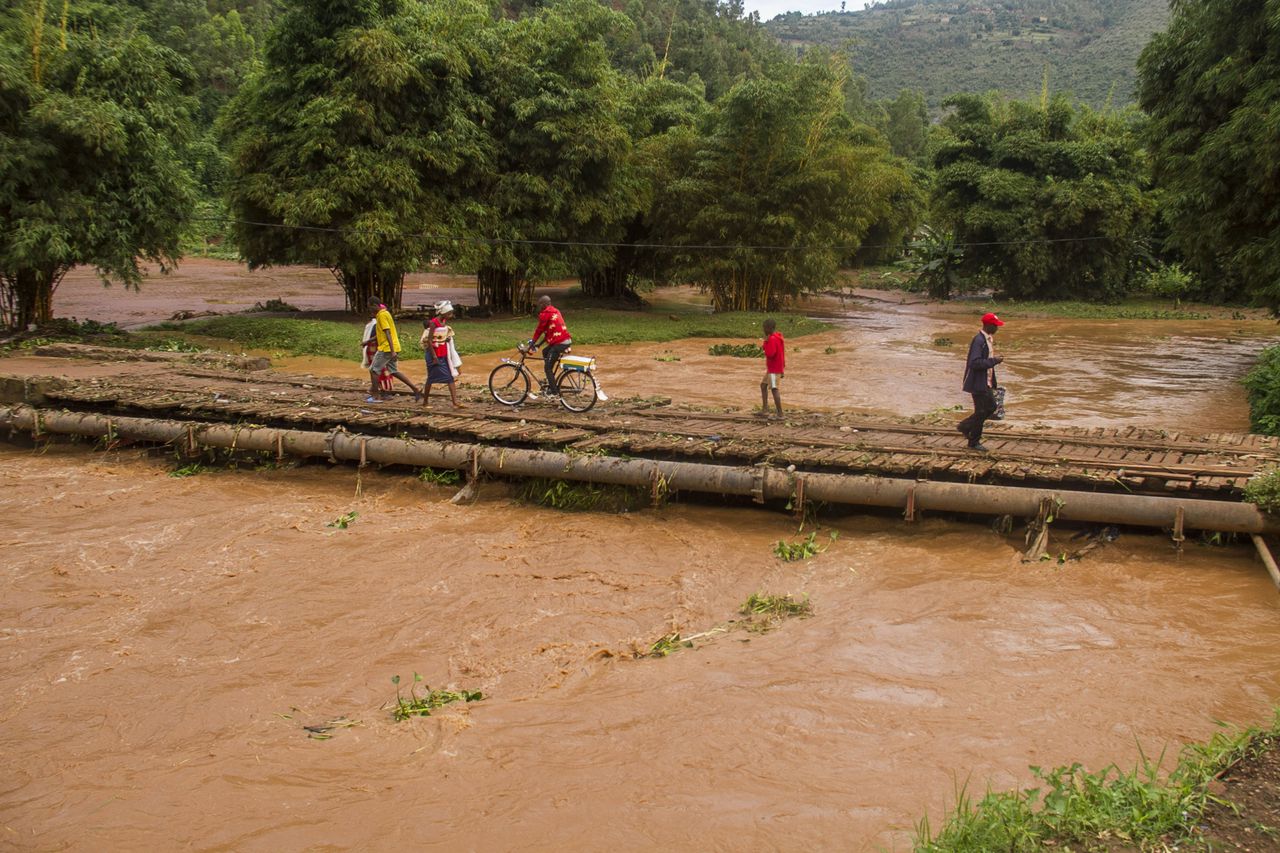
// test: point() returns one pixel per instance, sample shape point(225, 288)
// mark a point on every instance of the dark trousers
point(984, 406)
point(550, 356)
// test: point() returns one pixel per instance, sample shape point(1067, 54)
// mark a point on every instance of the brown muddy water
point(164, 641)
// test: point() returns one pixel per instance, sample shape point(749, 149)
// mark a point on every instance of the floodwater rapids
point(165, 641)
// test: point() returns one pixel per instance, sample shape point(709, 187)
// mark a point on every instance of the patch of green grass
point(589, 326)
point(1144, 807)
point(792, 552)
point(188, 470)
point(738, 350)
point(422, 706)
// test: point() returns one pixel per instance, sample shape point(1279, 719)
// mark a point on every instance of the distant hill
point(942, 47)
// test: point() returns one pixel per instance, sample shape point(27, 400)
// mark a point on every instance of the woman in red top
point(435, 345)
point(775, 365)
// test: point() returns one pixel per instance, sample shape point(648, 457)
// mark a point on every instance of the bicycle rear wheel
point(509, 384)
point(577, 390)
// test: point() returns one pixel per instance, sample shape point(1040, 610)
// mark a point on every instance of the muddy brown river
point(164, 641)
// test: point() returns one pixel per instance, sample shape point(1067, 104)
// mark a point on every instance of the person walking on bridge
point(980, 380)
point(388, 355)
point(551, 324)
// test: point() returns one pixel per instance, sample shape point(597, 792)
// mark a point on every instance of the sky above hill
point(771, 8)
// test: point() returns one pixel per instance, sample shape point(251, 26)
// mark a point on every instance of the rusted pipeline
point(760, 483)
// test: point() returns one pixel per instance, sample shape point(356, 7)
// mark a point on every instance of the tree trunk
point(360, 285)
point(504, 291)
point(741, 291)
point(612, 282)
point(26, 297)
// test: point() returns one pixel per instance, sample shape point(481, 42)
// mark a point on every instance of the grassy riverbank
point(1222, 794)
point(589, 326)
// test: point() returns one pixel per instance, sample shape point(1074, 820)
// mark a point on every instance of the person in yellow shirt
point(388, 355)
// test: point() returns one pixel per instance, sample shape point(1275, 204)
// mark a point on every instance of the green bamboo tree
point(93, 124)
point(347, 146)
point(783, 179)
point(1211, 85)
point(557, 178)
point(1049, 199)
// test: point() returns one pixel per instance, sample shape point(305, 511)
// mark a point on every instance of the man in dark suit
point(980, 380)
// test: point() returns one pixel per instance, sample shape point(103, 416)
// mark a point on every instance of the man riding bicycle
point(551, 324)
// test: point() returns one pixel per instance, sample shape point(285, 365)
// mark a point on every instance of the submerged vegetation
point(577, 496)
point(1143, 808)
point(762, 612)
point(792, 552)
point(413, 705)
point(737, 350)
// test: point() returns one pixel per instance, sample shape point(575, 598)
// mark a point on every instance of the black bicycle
point(575, 384)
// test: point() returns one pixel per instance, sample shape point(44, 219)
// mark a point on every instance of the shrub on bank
point(1263, 385)
point(1143, 807)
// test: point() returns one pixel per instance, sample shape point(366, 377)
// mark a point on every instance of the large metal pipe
point(759, 482)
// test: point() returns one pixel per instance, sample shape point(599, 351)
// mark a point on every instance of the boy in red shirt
point(775, 364)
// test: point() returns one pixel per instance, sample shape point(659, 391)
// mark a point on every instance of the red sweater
point(775, 359)
point(551, 322)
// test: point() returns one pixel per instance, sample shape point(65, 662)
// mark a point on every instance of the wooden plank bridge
point(1130, 460)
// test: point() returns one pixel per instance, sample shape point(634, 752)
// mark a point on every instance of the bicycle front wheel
point(509, 384)
point(577, 390)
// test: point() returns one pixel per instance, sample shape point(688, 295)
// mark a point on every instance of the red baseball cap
point(991, 320)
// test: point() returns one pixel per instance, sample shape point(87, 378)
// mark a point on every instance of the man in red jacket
point(551, 324)
point(775, 364)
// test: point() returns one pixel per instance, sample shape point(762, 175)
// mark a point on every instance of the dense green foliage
point(948, 47)
point(1049, 197)
point(781, 166)
point(1212, 87)
point(1263, 386)
point(351, 137)
point(93, 131)
point(1073, 809)
point(558, 147)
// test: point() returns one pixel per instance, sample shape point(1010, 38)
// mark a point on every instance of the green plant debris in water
point(771, 608)
point(188, 470)
point(577, 497)
point(421, 706)
point(737, 350)
point(440, 476)
point(792, 552)
point(343, 521)
point(667, 644)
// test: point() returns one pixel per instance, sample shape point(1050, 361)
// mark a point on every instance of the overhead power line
point(673, 247)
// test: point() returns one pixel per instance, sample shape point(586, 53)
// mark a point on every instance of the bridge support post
point(1038, 532)
point(1267, 560)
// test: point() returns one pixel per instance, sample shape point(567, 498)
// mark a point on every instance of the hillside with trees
point(1088, 48)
